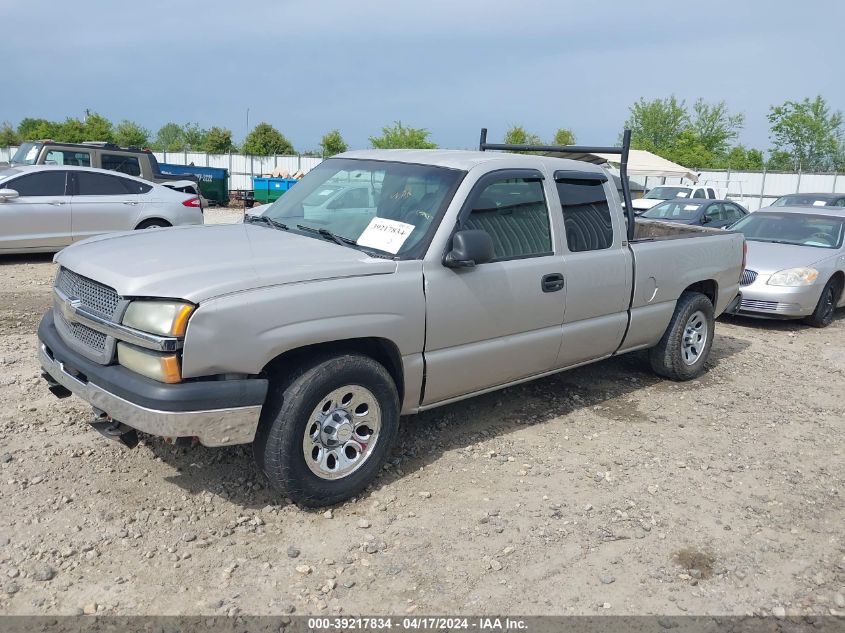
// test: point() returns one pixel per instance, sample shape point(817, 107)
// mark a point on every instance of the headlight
point(794, 277)
point(161, 367)
point(166, 318)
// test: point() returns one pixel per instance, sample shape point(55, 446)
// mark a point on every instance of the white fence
point(241, 167)
point(755, 189)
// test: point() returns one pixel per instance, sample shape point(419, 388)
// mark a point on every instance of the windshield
point(792, 228)
point(27, 154)
point(807, 200)
point(667, 193)
point(673, 210)
point(384, 206)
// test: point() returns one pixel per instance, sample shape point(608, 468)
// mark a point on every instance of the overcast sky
point(450, 66)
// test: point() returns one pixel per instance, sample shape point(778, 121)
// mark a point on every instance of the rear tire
point(823, 315)
point(685, 346)
point(326, 430)
point(153, 223)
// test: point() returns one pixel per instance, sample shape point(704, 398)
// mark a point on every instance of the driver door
point(39, 218)
point(500, 321)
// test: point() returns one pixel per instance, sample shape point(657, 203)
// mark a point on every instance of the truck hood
point(196, 263)
point(769, 257)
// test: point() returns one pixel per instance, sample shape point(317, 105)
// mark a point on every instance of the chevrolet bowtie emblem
point(69, 307)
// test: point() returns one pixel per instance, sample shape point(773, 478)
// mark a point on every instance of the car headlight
point(161, 367)
point(166, 318)
point(794, 277)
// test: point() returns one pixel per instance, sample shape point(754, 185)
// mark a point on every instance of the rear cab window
point(586, 211)
point(124, 163)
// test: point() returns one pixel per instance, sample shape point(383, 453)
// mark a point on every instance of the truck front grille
point(97, 298)
point(747, 278)
point(93, 295)
point(89, 338)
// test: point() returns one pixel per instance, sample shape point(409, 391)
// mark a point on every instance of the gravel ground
point(603, 490)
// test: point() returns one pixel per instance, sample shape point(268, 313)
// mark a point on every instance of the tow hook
point(114, 430)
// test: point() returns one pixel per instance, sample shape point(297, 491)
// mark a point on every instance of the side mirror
point(706, 219)
point(8, 194)
point(469, 248)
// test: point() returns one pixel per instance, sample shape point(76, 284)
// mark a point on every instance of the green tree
point(518, 135)
point(742, 159)
point(97, 128)
point(195, 137)
point(564, 136)
point(71, 130)
point(398, 136)
point(8, 135)
point(130, 134)
point(265, 140)
point(714, 125)
point(655, 125)
point(30, 129)
point(332, 143)
point(218, 140)
point(170, 138)
point(808, 132)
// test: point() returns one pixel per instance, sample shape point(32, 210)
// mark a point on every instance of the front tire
point(326, 430)
point(685, 346)
point(822, 316)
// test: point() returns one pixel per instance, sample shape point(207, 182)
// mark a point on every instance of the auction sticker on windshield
point(385, 235)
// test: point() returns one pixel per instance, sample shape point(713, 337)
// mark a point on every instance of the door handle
point(132, 202)
point(57, 203)
point(552, 282)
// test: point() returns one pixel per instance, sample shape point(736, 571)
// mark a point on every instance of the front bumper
point(217, 412)
point(778, 302)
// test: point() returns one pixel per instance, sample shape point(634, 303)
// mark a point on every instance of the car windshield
point(792, 228)
point(673, 210)
point(667, 193)
point(797, 200)
point(380, 206)
point(27, 154)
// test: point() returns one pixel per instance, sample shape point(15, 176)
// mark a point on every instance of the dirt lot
point(601, 490)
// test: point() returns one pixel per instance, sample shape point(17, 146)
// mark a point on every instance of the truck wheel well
point(709, 288)
point(380, 350)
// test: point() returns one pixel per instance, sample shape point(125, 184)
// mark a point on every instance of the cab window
point(122, 163)
point(513, 211)
point(586, 214)
point(67, 157)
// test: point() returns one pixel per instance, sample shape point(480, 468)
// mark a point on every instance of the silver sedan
point(795, 266)
point(44, 208)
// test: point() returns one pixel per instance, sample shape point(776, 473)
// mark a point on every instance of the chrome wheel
point(342, 431)
point(695, 338)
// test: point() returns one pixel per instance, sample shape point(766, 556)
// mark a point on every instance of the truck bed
point(651, 230)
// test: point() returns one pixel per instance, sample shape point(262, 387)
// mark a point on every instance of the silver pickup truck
point(310, 329)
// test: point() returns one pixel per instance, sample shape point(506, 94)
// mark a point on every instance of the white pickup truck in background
point(669, 192)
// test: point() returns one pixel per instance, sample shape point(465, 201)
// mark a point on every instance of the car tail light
point(744, 256)
point(192, 202)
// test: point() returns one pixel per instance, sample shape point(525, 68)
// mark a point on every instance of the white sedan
point(44, 208)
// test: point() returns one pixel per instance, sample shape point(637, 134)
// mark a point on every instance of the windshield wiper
point(255, 219)
point(337, 239)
